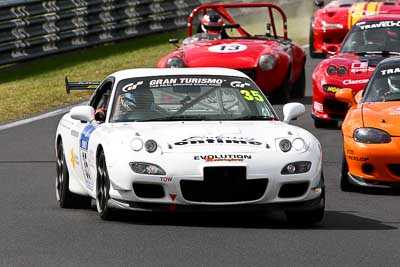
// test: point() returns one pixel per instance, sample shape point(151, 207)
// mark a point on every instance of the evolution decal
point(223, 157)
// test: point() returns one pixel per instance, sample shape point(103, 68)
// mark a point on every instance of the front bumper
point(169, 189)
point(310, 204)
point(373, 164)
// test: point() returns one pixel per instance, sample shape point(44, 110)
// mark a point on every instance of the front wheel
point(282, 94)
point(103, 189)
point(345, 184)
point(65, 198)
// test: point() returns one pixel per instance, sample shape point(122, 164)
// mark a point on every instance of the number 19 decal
point(252, 95)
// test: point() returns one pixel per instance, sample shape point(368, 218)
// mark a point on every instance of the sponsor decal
point(352, 82)
point(239, 84)
point(355, 158)
point(350, 152)
point(131, 86)
point(361, 67)
point(227, 48)
point(390, 71)
point(74, 133)
point(331, 88)
point(185, 82)
point(204, 140)
point(380, 24)
point(73, 159)
point(166, 179)
point(223, 157)
point(84, 145)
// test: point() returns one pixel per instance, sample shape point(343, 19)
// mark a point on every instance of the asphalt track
point(359, 229)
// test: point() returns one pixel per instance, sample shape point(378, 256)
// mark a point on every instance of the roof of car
point(380, 17)
point(146, 72)
point(390, 61)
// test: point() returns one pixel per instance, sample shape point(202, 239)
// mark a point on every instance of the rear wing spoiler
point(80, 85)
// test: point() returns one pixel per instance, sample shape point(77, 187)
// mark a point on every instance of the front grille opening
point(394, 169)
point(293, 190)
point(223, 184)
point(335, 106)
point(148, 190)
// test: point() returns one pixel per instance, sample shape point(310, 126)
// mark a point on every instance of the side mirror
point(331, 49)
point(346, 95)
point(292, 111)
point(319, 3)
point(82, 113)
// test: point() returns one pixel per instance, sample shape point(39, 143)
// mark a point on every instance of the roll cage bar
point(220, 9)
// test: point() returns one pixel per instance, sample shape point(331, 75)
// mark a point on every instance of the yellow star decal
point(73, 161)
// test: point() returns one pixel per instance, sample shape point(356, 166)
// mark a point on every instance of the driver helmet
point(394, 83)
point(373, 38)
point(137, 100)
point(212, 24)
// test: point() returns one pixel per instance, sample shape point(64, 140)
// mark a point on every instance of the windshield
point(373, 36)
point(190, 97)
point(384, 86)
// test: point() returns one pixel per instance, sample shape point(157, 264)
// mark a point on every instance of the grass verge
point(38, 85)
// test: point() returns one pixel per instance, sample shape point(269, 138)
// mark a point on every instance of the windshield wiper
point(383, 52)
point(255, 117)
point(179, 118)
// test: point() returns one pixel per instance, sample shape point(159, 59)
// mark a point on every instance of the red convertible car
point(331, 22)
point(231, 36)
point(369, 41)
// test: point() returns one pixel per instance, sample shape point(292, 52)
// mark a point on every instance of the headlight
point(267, 62)
point(174, 62)
point(150, 146)
point(341, 70)
point(331, 70)
point(296, 167)
point(298, 144)
point(137, 144)
point(371, 136)
point(285, 145)
point(146, 168)
point(331, 25)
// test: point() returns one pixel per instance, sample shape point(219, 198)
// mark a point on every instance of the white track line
point(50, 114)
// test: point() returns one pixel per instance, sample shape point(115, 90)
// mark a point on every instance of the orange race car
point(371, 131)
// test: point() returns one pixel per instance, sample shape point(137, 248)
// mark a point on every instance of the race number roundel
point(227, 48)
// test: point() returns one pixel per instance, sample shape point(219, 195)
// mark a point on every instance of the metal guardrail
point(32, 28)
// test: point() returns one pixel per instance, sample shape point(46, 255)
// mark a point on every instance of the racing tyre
point(308, 217)
point(66, 198)
point(299, 88)
point(103, 189)
point(345, 184)
point(325, 123)
point(313, 54)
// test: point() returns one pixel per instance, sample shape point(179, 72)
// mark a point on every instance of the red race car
point(369, 41)
point(217, 37)
point(330, 23)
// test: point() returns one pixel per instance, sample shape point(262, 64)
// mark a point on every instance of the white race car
point(185, 140)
